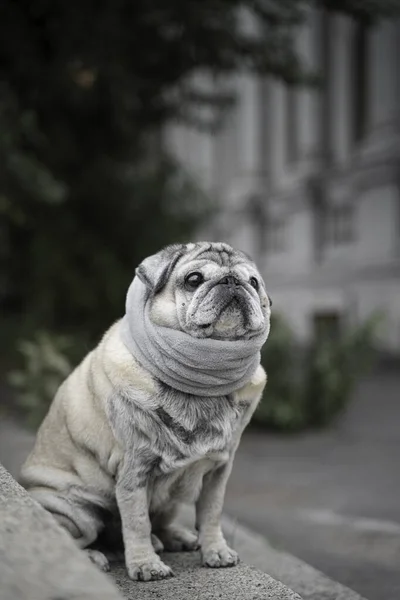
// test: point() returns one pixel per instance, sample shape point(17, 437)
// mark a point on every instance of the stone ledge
point(39, 561)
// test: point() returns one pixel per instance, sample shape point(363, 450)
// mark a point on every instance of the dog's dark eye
point(193, 280)
point(254, 283)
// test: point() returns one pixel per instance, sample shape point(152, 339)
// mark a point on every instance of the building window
point(317, 203)
point(327, 326)
point(276, 235)
point(339, 225)
point(291, 130)
point(325, 45)
point(360, 84)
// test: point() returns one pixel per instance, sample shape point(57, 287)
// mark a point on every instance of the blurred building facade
point(309, 179)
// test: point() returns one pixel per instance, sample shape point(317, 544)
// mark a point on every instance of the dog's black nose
point(230, 280)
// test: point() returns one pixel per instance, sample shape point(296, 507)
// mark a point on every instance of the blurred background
point(272, 125)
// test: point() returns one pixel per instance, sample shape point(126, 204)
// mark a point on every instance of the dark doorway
point(327, 325)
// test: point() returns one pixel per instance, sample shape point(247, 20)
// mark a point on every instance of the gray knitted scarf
point(203, 367)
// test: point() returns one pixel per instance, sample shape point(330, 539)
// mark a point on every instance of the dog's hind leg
point(83, 521)
point(173, 536)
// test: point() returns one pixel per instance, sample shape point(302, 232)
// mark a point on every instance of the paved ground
point(333, 499)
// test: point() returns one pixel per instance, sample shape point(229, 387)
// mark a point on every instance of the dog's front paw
point(149, 570)
point(178, 539)
point(219, 555)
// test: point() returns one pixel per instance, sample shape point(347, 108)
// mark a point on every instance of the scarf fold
point(197, 366)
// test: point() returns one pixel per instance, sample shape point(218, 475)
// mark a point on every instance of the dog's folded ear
point(155, 270)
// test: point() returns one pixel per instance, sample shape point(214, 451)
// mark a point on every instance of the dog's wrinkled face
point(208, 290)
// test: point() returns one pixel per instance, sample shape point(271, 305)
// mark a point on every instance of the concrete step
point(38, 560)
point(195, 582)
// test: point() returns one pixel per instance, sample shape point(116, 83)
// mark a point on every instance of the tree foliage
point(85, 190)
point(115, 67)
point(84, 80)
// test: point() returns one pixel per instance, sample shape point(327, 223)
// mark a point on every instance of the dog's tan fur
point(84, 460)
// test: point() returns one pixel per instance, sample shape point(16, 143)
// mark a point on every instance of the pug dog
point(152, 417)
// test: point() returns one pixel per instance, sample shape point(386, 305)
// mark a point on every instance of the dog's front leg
point(142, 562)
point(214, 549)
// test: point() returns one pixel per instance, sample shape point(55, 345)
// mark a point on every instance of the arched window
point(359, 95)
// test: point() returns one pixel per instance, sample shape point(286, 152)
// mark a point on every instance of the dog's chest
point(197, 426)
point(188, 428)
point(177, 431)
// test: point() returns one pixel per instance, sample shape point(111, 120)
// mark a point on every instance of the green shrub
point(281, 405)
point(310, 387)
point(333, 370)
point(46, 361)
